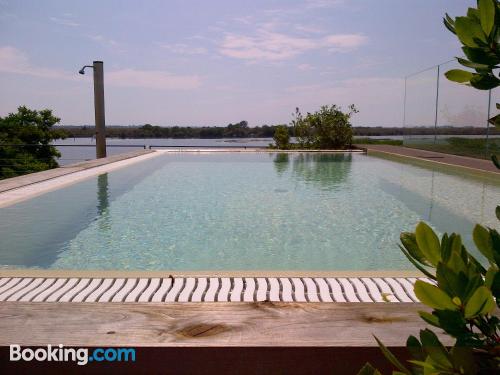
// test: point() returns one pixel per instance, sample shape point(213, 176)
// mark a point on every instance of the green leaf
point(480, 55)
point(434, 348)
point(456, 243)
point(473, 13)
point(449, 281)
point(480, 303)
point(430, 318)
point(495, 286)
point(463, 358)
point(495, 120)
point(486, 15)
point(432, 296)
point(473, 65)
point(452, 322)
point(368, 369)
point(416, 264)
point(409, 242)
point(483, 241)
point(458, 75)
point(415, 348)
point(449, 23)
point(469, 31)
point(484, 81)
point(490, 276)
point(428, 243)
point(391, 357)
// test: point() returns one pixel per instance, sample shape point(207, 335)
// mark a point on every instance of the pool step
point(209, 289)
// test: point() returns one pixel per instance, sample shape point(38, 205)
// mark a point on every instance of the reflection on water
point(102, 193)
point(103, 202)
point(34, 232)
point(326, 171)
point(281, 162)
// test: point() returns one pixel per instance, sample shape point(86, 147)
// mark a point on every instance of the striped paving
point(209, 289)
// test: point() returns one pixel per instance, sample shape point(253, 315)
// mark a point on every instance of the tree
point(328, 128)
point(281, 137)
point(25, 139)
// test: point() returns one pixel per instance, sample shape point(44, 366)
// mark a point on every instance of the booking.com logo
point(79, 355)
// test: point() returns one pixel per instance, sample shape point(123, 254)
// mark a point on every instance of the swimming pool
point(243, 211)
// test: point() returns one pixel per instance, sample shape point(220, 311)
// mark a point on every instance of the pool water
point(244, 211)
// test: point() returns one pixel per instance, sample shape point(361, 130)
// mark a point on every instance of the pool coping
point(27, 272)
point(209, 289)
point(398, 152)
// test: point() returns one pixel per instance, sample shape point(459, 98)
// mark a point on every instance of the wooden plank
point(208, 324)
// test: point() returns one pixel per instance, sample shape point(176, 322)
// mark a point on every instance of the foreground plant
point(463, 294)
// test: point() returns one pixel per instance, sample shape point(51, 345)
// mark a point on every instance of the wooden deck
point(208, 324)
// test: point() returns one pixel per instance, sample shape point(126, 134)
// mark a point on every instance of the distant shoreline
point(239, 131)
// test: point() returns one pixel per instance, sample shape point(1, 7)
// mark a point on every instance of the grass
point(379, 141)
point(472, 147)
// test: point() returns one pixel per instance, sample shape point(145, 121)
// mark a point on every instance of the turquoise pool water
point(243, 211)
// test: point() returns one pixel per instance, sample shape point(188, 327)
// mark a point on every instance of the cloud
point(379, 99)
point(15, 61)
point(64, 22)
point(305, 67)
point(184, 49)
point(309, 29)
point(320, 4)
point(152, 79)
point(103, 40)
point(267, 45)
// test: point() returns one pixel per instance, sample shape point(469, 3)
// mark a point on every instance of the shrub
point(25, 137)
point(328, 128)
point(281, 137)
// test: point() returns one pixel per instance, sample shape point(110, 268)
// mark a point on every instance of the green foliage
point(25, 137)
point(479, 33)
point(328, 128)
point(463, 294)
point(372, 141)
point(281, 137)
point(472, 147)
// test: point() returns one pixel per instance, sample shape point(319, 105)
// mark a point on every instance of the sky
point(206, 63)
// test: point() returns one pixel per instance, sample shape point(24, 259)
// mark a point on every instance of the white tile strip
point(213, 289)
